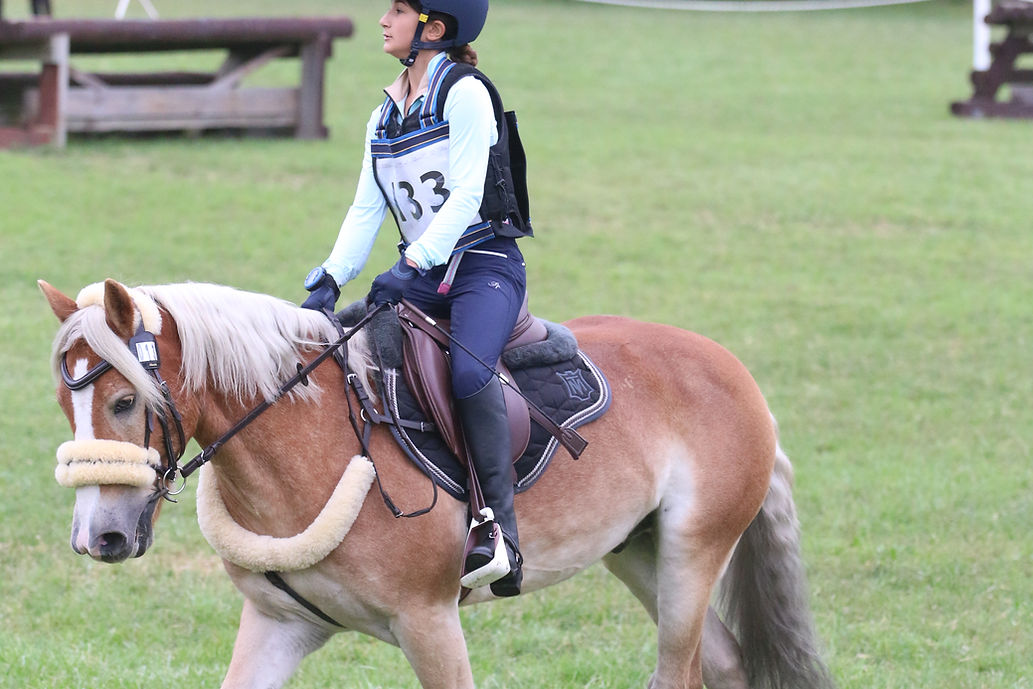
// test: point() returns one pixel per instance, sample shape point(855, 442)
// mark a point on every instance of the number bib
point(412, 172)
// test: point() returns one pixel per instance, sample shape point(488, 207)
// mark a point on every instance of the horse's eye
point(124, 404)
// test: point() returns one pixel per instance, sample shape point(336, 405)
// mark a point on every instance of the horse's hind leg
point(268, 650)
point(690, 558)
point(722, 657)
point(635, 566)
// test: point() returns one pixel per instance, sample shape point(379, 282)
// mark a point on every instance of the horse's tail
point(764, 595)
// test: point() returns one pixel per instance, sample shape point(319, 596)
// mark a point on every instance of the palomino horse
point(683, 489)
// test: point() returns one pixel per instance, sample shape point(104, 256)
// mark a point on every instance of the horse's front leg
point(268, 650)
point(433, 643)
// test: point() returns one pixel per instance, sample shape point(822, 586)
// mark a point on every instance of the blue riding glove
point(324, 290)
point(389, 287)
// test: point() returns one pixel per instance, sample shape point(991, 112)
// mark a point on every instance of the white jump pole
point(980, 35)
point(123, 7)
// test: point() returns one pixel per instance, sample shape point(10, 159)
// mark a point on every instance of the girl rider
point(437, 156)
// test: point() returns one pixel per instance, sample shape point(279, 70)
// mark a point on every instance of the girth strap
point(276, 580)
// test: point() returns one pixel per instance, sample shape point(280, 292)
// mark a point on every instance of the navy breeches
point(483, 306)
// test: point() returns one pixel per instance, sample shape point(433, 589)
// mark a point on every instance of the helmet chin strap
point(418, 45)
point(408, 61)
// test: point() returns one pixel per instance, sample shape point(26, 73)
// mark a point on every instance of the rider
point(437, 156)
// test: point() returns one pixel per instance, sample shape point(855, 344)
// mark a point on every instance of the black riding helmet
point(469, 16)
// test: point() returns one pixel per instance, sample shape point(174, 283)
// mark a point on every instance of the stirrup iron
point(498, 566)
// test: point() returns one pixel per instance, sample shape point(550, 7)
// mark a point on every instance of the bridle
point(145, 347)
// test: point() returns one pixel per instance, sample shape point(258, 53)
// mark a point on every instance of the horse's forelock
point(90, 325)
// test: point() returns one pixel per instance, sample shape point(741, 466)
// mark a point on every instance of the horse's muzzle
point(113, 523)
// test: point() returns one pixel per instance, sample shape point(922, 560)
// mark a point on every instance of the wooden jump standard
point(63, 99)
point(1018, 18)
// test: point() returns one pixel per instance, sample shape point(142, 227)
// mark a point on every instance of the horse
point(684, 492)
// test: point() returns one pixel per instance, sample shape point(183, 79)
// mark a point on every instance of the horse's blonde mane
point(241, 344)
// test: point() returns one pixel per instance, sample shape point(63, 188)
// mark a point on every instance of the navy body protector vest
point(423, 133)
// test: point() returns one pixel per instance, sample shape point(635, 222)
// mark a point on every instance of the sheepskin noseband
point(106, 462)
point(260, 553)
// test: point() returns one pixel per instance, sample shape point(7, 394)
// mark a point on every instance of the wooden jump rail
point(1017, 17)
point(63, 99)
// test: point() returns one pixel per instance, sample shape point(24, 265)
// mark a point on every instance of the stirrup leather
point(480, 531)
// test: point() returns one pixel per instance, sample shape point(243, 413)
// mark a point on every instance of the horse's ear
point(62, 306)
point(119, 309)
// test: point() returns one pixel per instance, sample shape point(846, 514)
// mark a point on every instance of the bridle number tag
point(146, 350)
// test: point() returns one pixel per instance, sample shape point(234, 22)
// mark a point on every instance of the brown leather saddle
point(425, 345)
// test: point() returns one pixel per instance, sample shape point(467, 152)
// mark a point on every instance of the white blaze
point(86, 497)
point(82, 405)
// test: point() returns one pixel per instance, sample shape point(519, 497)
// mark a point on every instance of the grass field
point(789, 185)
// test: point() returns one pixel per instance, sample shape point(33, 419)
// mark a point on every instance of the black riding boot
point(486, 431)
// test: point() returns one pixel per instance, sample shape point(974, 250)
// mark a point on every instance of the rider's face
point(399, 25)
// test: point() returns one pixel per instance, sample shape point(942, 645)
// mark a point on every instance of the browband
point(79, 383)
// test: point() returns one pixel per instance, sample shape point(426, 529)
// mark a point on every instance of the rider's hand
point(389, 287)
point(324, 291)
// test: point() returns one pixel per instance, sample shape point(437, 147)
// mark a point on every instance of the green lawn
point(790, 185)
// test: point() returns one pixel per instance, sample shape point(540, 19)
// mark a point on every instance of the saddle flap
point(519, 417)
point(427, 373)
point(426, 370)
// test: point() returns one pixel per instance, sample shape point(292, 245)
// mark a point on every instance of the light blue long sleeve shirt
point(472, 131)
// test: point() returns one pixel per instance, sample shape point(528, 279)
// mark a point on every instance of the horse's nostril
point(112, 543)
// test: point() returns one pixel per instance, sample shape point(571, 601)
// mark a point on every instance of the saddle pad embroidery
point(572, 393)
